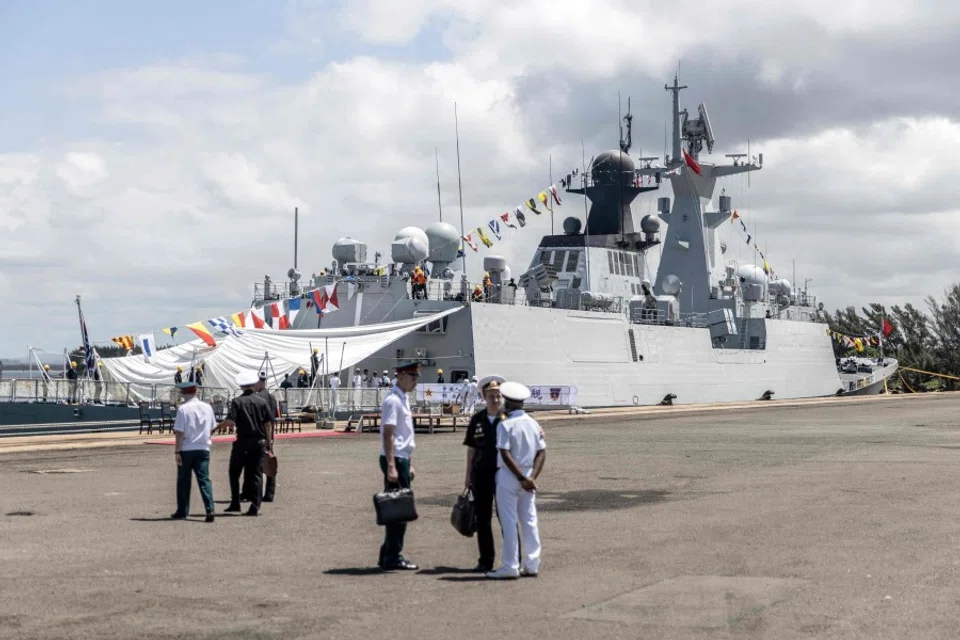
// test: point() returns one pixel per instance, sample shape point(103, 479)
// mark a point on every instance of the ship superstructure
point(585, 312)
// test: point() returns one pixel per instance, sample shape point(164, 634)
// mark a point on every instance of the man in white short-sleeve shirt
point(522, 452)
point(195, 420)
point(396, 449)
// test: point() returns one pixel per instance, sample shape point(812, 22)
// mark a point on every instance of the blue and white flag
point(293, 308)
point(224, 326)
point(495, 227)
point(147, 344)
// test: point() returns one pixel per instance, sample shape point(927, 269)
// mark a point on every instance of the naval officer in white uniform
point(522, 452)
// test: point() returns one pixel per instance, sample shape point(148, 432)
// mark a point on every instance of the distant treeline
point(928, 341)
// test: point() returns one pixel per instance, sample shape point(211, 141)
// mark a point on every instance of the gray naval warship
point(584, 314)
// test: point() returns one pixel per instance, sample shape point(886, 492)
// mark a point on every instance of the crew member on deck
point(72, 377)
point(522, 454)
point(396, 449)
point(481, 470)
point(439, 376)
point(98, 383)
point(178, 376)
point(250, 414)
point(302, 381)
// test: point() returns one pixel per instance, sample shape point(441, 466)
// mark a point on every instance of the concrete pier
point(827, 518)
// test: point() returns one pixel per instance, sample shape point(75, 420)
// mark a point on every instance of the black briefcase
point(395, 506)
point(463, 517)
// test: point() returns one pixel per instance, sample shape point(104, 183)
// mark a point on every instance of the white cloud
point(180, 194)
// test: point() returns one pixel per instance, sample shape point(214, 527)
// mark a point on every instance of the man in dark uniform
point(178, 376)
point(314, 364)
point(271, 482)
point(251, 416)
point(481, 472)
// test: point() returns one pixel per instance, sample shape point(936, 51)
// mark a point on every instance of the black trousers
point(247, 456)
point(269, 491)
point(484, 484)
point(391, 551)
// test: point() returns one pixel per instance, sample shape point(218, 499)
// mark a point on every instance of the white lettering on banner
point(542, 395)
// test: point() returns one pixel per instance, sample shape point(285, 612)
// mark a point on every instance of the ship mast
point(675, 89)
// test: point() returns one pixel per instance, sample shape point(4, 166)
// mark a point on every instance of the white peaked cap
point(514, 391)
point(247, 378)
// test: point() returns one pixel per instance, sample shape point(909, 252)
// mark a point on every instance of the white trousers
point(516, 506)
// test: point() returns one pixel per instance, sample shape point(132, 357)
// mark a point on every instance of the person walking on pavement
point(251, 416)
point(481, 471)
point(194, 422)
point(396, 449)
point(522, 454)
point(270, 485)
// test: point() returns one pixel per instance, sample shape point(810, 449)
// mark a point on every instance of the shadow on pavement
point(356, 571)
point(439, 571)
point(169, 519)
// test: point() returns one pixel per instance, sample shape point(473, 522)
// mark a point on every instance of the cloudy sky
point(151, 154)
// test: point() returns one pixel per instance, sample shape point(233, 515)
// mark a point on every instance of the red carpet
point(279, 436)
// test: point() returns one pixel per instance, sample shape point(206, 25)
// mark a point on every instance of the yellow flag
point(858, 343)
point(483, 237)
point(237, 319)
point(542, 197)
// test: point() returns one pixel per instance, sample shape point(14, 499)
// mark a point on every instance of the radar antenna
point(626, 143)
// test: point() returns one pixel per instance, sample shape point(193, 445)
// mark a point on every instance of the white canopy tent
point(288, 351)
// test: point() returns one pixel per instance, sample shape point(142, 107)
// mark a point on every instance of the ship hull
point(30, 418)
point(592, 352)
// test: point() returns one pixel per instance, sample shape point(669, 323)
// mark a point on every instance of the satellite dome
point(410, 246)
point(650, 224)
point(572, 226)
point(781, 287)
point(412, 232)
point(613, 167)
point(671, 285)
point(346, 250)
point(751, 274)
point(494, 263)
point(443, 241)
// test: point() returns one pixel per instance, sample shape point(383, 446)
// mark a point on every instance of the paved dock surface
point(830, 519)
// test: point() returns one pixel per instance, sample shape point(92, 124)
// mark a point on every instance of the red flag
point(691, 162)
point(887, 328)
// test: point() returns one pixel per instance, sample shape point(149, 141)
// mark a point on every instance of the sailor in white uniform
point(334, 393)
point(357, 385)
point(522, 452)
point(471, 396)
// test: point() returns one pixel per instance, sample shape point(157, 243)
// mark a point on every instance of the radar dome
point(412, 232)
point(671, 285)
point(781, 287)
point(494, 263)
point(410, 249)
point(613, 167)
point(650, 224)
point(752, 274)
point(347, 250)
point(572, 226)
point(443, 240)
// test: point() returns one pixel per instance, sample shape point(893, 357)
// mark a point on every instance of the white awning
point(289, 350)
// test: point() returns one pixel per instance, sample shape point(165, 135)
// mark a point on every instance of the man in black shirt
point(250, 414)
point(271, 482)
point(481, 472)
